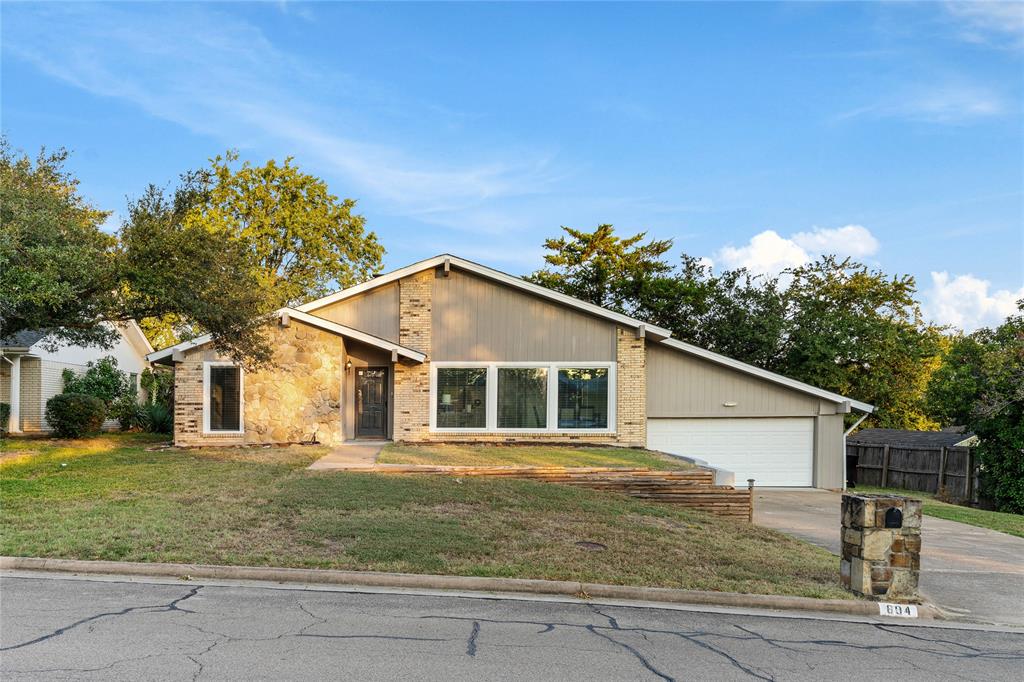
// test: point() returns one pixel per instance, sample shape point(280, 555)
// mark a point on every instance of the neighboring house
point(449, 350)
point(954, 436)
point(30, 374)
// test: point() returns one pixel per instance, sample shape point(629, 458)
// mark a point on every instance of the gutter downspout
point(845, 434)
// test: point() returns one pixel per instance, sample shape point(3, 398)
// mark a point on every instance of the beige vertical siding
point(375, 312)
point(828, 451)
point(476, 319)
point(681, 385)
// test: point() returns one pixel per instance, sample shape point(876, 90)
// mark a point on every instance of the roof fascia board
point(657, 333)
point(766, 375)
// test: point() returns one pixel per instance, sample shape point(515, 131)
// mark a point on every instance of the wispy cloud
point(996, 23)
point(217, 75)
point(943, 103)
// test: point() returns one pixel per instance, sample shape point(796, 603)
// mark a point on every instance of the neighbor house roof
point(925, 439)
point(765, 374)
point(129, 330)
point(448, 260)
point(22, 339)
point(286, 314)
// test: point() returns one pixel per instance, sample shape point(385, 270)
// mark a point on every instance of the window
point(522, 397)
point(583, 398)
point(538, 397)
point(462, 397)
point(223, 399)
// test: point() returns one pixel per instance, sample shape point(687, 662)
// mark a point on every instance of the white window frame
point(552, 396)
point(206, 398)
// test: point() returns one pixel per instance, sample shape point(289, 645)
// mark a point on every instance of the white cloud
point(770, 253)
point(949, 102)
point(998, 23)
point(966, 302)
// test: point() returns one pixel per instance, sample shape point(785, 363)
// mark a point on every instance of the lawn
point(529, 455)
point(1012, 524)
point(110, 498)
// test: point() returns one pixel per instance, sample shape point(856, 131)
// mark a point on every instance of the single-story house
point(31, 374)
point(450, 350)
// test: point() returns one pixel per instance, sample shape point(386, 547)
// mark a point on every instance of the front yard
point(1012, 524)
point(529, 455)
point(110, 498)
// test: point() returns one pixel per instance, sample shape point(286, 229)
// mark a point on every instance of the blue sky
point(752, 134)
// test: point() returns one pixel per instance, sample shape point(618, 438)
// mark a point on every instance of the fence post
point(971, 488)
point(750, 500)
point(943, 461)
point(885, 466)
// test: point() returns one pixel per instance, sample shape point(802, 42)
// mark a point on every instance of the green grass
point(1013, 524)
point(529, 455)
point(111, 498)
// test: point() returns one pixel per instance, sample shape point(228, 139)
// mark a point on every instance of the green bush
point(127, 411)
point(102, 379)
point(157, 419)
point(159, 385)
point(73, 415)
point(5, 415)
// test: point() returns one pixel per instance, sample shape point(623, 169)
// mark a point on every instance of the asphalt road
point(68, 628)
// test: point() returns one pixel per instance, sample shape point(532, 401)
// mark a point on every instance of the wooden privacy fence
point(911, 467)
point(693, 488)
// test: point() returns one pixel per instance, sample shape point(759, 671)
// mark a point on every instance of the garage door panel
point(774, 452)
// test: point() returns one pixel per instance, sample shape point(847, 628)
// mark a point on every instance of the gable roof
point(129, 331)
point(932, 439)
point(446, 259)
point(313, 321)
point(23, 339)
point(726, 361)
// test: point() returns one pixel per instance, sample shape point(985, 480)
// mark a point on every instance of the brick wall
point(412, 381)
point(296, 400)
point(631, 388)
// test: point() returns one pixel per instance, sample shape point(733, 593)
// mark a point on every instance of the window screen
point(583, 398)
point(461, 398)
point(225, 398)
point(522, 398)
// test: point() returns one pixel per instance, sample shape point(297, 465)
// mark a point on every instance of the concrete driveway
point(969, 572)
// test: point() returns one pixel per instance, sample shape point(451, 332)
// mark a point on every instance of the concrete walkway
point(357, 454)
point(967, 571)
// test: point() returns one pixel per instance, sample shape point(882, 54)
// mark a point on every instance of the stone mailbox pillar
point(881, 546)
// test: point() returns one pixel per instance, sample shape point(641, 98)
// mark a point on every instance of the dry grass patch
point(117, 500)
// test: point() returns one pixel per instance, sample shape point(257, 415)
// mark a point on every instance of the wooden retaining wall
point(692, 488)
point(952, 469)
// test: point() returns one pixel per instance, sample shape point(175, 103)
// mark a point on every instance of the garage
point(772, 451)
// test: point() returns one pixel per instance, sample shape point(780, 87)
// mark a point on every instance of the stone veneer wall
point(412, 403)
point(296, 400)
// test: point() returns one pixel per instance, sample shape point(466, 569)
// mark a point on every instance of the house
point(953, 436)
point(450, 350)
point(30, 374)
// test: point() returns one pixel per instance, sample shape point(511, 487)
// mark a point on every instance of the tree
point(303, 240)
point(58, 270)
point(981, 386)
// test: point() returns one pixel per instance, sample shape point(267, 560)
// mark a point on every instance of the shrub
point(102, 379)
point(159, 385)
point(5, 415)
point(73, 415)
point(127, 411)
point(157, 419)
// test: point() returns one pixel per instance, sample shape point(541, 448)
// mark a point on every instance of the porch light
point(348, 365)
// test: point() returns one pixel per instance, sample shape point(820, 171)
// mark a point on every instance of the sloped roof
point(927, 439)
point(22, 339)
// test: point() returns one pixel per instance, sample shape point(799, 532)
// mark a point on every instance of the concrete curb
point(454, 582)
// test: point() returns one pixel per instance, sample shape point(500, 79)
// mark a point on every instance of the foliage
point(102, 379)
point(156, 418)
point(5, 416)
point(73, 415)
point(58, 270)
point(158, 385)
point(127, 411)
point(834, 324)
point(981, 385)
point(302, 239)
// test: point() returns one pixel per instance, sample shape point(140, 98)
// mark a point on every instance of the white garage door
point(773, 452)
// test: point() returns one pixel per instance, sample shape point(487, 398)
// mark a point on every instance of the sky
point(759, 135)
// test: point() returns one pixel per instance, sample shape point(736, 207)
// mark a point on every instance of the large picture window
point(223, 398)
point(462, 397)
point(583, 398)
point(522, 397)
point(501, 397)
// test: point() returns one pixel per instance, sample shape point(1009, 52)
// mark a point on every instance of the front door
point(371, 402)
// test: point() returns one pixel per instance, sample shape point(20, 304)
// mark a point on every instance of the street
point(62, 627)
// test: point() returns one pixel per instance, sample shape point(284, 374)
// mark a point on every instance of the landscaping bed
point(110, 498)
point(1012, 524)
point(528, 455)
